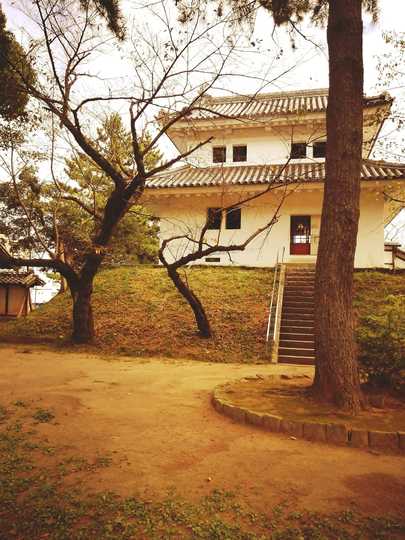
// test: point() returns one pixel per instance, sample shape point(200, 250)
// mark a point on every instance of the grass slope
point(138, 312)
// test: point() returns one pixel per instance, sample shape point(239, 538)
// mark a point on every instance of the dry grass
point(291, 400)
point(138, 312)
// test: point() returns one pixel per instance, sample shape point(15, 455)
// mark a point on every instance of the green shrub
point(381, 340)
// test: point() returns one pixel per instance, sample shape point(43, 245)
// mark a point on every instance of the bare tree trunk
point(83, 323)
point(201, 318)
point(336, 375)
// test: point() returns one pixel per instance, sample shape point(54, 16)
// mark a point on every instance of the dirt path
point(155, 419)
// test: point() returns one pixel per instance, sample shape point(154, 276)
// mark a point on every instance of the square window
point(214, 218)
point(233, 218)
point(240, 153)
point(319, 149)
point(219, 154)
point(298, 150)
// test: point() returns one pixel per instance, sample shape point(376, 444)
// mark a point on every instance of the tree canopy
point(13, 98)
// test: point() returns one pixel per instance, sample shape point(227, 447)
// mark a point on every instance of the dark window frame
point(295, 153)
point(233, 219)
point(319, 145)
point(235, 149)
point(214, 218)
point(218, 159)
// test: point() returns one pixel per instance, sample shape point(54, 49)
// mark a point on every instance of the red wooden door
point(300, 235)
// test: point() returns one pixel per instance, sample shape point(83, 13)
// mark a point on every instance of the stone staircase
point(296, 345)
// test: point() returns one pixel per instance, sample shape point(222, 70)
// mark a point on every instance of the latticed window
point(214, 218)
point(219, 154)
point(319, 149)
point(233, 218)
point(240, 153)
point(298, 150)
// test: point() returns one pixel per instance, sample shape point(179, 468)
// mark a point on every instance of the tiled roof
point(3, 251)
point(26, 279)
point(189, 176)
point(261, 105)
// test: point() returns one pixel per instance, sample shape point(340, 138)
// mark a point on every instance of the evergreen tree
point(13, 98)
point(135, 238)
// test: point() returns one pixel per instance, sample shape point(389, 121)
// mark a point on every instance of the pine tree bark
point(336, 373)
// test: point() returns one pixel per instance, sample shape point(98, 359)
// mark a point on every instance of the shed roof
point(24, 279)
point(189, 176)
point(280, 103)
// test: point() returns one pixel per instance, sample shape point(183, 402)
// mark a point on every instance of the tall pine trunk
point(336, 374)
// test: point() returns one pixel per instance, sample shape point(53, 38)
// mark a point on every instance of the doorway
point(300, 235)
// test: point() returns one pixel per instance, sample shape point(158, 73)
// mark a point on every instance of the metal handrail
point(277, 272)
point(271, 302)
point(278, 305)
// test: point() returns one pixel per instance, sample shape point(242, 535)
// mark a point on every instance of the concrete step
point(305, 273)
point(308, 296)
point(297, 287)
point(301, 360)
point(296, 351)
point(299, 278)
point(304, 336)
point(298, 302)
point(296, 313)
point(294, 325)
point(294, 343)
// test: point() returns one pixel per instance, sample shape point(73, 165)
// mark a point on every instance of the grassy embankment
point(138, 312)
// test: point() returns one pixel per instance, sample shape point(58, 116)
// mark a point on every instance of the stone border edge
point(338, 434)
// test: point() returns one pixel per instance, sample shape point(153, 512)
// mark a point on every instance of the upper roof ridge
point(262, 96)
point(267, 95)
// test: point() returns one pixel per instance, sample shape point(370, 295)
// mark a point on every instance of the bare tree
point(171, 76)
point(197, 246)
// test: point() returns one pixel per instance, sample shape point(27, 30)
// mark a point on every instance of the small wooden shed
point(15, 293)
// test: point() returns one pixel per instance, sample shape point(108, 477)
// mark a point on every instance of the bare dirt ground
point(154, 418)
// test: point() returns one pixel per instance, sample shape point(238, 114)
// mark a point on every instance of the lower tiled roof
point(3, 251)
point(25, 279)
point(189, 176)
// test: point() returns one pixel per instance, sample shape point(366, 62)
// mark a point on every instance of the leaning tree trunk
point(201, 318)
point(336, 374)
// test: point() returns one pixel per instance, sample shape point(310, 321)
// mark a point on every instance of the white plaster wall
point(186, 215)
point(370, 238)
point(262, 146)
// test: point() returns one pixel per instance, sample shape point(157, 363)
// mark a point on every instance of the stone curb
point(338, 434)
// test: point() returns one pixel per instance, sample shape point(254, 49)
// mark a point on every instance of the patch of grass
point(41, 498)
point(20, 403)
point(43, 415)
